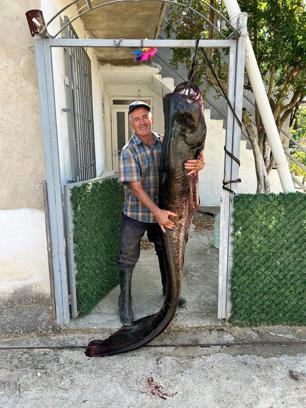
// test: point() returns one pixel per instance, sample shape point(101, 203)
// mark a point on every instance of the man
point(139, 164)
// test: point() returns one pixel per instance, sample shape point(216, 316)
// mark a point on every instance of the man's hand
point(162, 218)
point(194, 166)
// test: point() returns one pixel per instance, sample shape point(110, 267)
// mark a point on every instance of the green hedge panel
point(97, 208)
point(268, 282)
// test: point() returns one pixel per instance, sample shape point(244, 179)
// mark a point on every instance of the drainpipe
point(263, 104)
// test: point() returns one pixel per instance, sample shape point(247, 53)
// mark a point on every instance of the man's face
point(141, 121)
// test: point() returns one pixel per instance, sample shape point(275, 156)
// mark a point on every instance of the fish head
point(188, 117)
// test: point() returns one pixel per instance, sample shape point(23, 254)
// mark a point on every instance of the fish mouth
point(190, 90)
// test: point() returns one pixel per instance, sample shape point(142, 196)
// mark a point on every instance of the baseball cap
point(138, 104)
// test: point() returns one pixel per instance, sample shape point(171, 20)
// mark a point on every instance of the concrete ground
point(197, 362)
point(199, 284)
point(154, 376)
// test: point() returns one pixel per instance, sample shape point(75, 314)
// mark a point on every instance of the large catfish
point(185, 132)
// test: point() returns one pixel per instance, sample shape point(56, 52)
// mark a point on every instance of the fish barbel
point(185, 132)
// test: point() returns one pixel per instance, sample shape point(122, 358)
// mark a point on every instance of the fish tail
point(129, 338)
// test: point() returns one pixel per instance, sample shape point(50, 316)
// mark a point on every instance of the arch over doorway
point(90, 6)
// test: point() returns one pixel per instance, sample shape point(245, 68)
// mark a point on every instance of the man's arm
point(161, 216)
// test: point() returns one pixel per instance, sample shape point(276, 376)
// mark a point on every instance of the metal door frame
point(44, 48)
point(114, 124)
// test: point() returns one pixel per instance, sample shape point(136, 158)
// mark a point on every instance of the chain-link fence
point(268, 282)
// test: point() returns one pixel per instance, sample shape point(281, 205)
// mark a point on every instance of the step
point(220, 335)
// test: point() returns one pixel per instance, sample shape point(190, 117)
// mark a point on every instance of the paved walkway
point(199, 285)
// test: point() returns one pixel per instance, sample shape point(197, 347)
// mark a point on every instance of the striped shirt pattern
point(139, 162)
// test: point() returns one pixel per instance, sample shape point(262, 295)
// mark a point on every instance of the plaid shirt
point(139, 162)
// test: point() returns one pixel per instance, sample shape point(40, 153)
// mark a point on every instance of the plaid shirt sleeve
point(129, 168)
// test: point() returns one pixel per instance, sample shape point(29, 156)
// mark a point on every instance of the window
point(80, 111)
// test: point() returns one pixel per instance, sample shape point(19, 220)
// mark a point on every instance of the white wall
point(23, 251)
point(100, 139)
point(210, 179)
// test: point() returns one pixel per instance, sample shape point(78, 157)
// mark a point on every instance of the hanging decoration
point(144, 54)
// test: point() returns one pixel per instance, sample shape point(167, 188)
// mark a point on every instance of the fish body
point(185, 132)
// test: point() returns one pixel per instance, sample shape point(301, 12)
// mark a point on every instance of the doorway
point(120, 134)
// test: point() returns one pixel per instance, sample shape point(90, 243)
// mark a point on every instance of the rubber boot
point(182, 302)
point(163, 272)
point(125, 297)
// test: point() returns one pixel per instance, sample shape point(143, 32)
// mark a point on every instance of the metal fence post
point(53, 179)
point(231, 167)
